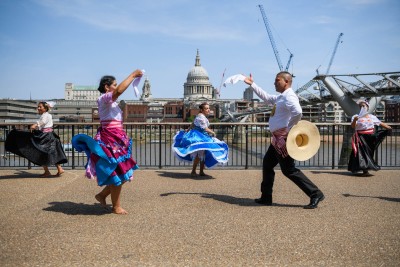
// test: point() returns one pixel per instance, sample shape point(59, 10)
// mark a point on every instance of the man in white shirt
point(285, 114)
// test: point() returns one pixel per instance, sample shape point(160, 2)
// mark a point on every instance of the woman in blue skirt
point(199, 144)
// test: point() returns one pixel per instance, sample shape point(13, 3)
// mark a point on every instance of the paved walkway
point(176, 220)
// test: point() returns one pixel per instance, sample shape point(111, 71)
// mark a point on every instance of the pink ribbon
point(355, 140)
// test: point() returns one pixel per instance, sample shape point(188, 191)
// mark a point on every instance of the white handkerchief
point(234, 79)
point(135, 84)
point(363, 112)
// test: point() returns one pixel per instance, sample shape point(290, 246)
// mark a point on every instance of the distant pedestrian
point(199, 144)
point(365, 140)
point(285, 114)
point(40, 145)
point(110, 152)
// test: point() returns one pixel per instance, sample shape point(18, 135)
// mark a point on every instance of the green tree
point(191, 118)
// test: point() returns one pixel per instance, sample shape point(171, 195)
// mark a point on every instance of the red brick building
point(392, 111)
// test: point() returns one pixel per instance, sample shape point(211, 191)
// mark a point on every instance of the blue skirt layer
point(186, 144)
point(105, 165)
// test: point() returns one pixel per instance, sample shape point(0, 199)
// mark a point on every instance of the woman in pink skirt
point(110, 151)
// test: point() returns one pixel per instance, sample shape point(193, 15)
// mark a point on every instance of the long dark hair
point(105, 80)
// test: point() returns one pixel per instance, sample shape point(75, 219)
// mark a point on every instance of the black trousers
point(271, 159)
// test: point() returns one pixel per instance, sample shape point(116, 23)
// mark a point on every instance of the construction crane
point(271, 38)
point(333, 54)
point(321, 86)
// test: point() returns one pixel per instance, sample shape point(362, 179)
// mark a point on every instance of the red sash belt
point(279, 142)
point(47, 130)
point(355, 140)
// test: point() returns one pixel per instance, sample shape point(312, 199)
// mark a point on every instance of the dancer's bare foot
point(119, 210)
point(203, 174)
point(60, 173)
point(101, 200)
point(193, 174)
point(45, 174)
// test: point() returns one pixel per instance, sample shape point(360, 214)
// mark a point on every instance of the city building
point(73, 110)
point(80, 105)
point(392, 109)
point(79, 92)
point(248, 94)
point(12, 110)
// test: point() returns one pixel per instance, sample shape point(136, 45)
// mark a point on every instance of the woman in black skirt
point(365, 140)
point(40, 145)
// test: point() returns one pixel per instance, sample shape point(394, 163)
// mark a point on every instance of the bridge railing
point(247, 143)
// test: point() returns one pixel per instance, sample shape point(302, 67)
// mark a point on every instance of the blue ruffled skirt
point(188, 145)
point(109, 156)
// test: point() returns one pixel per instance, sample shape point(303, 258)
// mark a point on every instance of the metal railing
point(247, 143)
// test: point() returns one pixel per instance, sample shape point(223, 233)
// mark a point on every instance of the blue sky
point(47, 43)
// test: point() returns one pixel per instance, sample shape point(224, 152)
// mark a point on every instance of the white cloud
point(149, 18)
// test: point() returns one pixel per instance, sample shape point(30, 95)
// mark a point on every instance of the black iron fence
point(247, 143)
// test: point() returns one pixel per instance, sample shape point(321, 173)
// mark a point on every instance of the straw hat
point(303, 141)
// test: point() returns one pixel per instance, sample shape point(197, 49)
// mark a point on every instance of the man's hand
point(249, 80)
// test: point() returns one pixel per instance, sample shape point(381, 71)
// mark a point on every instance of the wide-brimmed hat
point(303, 141)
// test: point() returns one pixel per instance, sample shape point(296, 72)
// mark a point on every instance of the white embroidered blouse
point(108, 109)
point(201, 121)
point(45, 121)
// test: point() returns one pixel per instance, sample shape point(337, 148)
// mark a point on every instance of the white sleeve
point(294, 107)
point(375, 120)
point(269, 99)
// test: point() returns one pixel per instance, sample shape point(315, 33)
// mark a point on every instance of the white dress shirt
point(286, 112)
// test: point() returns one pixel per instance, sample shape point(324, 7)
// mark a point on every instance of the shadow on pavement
point(179, 175)
point(71, 208)
point(25, 175)
point(249, 202)
point(344, 173)
point(393, 199)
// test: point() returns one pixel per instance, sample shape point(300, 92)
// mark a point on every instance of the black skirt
point(364, 158)
point(40, 148)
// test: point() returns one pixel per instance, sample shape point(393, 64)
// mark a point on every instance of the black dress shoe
point(267, 201)
point(314, 202)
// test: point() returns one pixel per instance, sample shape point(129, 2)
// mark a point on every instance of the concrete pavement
point(177, 220)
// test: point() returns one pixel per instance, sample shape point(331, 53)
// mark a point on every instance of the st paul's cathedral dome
point(197, 85)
